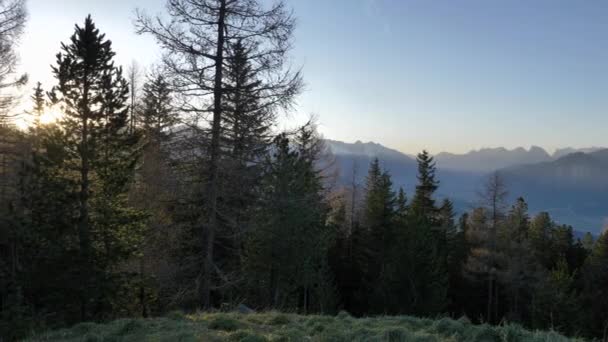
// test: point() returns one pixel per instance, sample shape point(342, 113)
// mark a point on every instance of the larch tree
point(493, 198)
point(197, 41)
point(13, 16)
point(134, 76)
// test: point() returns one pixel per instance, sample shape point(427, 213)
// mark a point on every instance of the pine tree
point(401, 205)
point(417, 273)
point(39, 100)
point(540, 238)
point(556, 304)
point(286, 252)
point(157, 115)
point(520, 271)
point(423, 204)
point(92, 94)
point(595, 294)
point(588, 241)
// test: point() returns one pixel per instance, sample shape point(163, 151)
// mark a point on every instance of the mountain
point(579, 169)
point(561, 152)
point(355, 158)
point(490, 159)
point(573, 188)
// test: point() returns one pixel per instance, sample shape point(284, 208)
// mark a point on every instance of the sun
point(49, 116)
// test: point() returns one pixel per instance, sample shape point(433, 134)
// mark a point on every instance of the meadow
point(274, 326)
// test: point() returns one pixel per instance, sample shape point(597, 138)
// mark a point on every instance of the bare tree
point(134, 76)
point(12, 21)
point(493, 200)
point(197, 41)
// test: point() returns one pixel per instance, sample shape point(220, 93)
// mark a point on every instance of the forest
point(172, 189)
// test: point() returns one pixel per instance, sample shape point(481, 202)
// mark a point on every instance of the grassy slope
point(287, 327)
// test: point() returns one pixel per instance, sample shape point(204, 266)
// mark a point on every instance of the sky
point(411, 75)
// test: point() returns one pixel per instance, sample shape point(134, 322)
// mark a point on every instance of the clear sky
point(441, 75)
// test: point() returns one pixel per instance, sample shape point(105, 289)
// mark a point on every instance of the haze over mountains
point(571, 184)
point(490, 159)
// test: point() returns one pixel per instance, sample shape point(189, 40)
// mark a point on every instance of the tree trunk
point(489, 313)
point(214, 159)
point(83, 219)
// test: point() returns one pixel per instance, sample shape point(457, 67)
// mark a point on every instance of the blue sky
point(441, 75)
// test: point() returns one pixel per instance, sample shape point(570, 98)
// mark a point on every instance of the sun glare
point(50, 116)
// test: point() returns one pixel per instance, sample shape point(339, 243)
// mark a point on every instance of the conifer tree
point(39, 100)
point(555, 303)
point(540, 238)
point(92, 95)
point(595, 292)
point(198, 40)
point(286, 252)
point(157, 114)
point(588, 241)
point(417, 276)
point(423, 204)
point(401, 205)
point(520, 271)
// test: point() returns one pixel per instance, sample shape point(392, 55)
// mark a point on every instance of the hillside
point(573, 188)
point(290, 327)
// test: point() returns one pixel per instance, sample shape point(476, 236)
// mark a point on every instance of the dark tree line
point(183, 195)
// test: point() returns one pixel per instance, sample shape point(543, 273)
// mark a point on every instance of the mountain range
point(571, 184)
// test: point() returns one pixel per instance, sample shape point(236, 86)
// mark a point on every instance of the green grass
point(273, 326)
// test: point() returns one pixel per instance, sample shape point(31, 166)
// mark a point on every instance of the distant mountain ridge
point(561, 152)
point(573, 188)
point(490, 159)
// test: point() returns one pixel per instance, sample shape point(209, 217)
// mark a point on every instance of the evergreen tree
point(423, 204)
point(286, 252)
point(595, 295)
point(556, 304)
point(540, 238)
point(401, 205)
point(379, 222)
point(92, 94)
point(418, 276)
point(520, 272)
point(39, 100)
point(588, 241)
point(157, 113)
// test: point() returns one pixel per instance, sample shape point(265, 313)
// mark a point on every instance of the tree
point(423, 204)
point(12, 22)
point(540, 238)
point(401, 205)
point(134, 74)
point(520, 272)
point(379, 216)
point(197, 43)
point(588, 241)
point(285, 254)
point(417, 276)
point(157, 113)
point(595, 294)
point(92, 94)
point(493, 199)
point(556, 304)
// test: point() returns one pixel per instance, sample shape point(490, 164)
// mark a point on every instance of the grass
point(274, 326)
